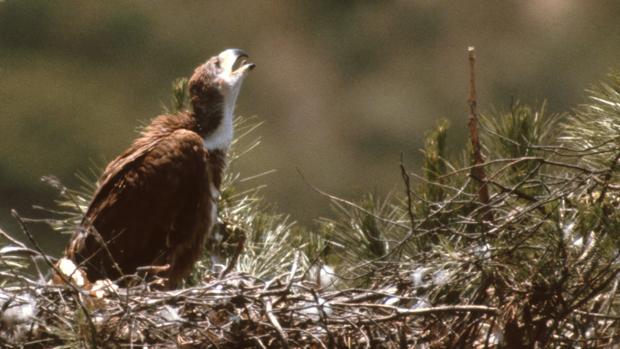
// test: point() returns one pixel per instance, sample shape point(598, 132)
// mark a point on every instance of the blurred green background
point(343, 87)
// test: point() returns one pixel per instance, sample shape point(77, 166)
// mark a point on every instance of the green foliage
point(513, 134)
point(435, 160)
point(180, 96)
point(595, 127)
point(551, 247)
point(357, 236)
point(72, 203)
point(267, 239)
point(521, 132)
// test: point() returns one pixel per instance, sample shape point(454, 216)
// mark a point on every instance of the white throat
point(230, 85)
point(222, 136)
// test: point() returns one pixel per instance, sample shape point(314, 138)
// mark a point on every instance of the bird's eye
point(217, 63)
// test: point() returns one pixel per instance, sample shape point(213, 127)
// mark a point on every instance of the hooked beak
point(234, 61)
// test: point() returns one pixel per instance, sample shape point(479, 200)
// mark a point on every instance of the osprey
point(155, 203)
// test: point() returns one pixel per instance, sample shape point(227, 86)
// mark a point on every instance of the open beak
point(234, 61)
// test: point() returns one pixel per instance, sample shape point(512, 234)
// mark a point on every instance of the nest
point(236, 311)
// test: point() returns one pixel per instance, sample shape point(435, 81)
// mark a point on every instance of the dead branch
point(477, 172)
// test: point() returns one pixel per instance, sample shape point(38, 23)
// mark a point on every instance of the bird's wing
point(148, 200)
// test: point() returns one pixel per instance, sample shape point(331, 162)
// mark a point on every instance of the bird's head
point(213, 89)
point(220, 78)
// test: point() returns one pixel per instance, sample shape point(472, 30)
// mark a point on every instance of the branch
point(273, 320)
point(91, 325)
point(477, 172)
point(407, 182)
point(235, 257)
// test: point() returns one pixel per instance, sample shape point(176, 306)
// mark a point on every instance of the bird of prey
point(155, 204)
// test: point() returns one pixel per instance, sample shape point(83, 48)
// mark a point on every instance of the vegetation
point(350, 84)
point(533, 263)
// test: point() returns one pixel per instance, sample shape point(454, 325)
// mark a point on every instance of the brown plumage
point(156, 202)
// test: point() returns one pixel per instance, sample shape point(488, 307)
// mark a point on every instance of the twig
point(90, 228)
point(323, 318)
point(478, 171)
point(598, 315)
point(349, 203)
point(91, 325)
point(13, 240)
point(607, 178)
point(275, 323)
point(291, 277)
point(314, 261)
point(406, 180)
point(235, 257)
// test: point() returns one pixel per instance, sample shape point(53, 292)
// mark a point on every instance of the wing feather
point(150, 200)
